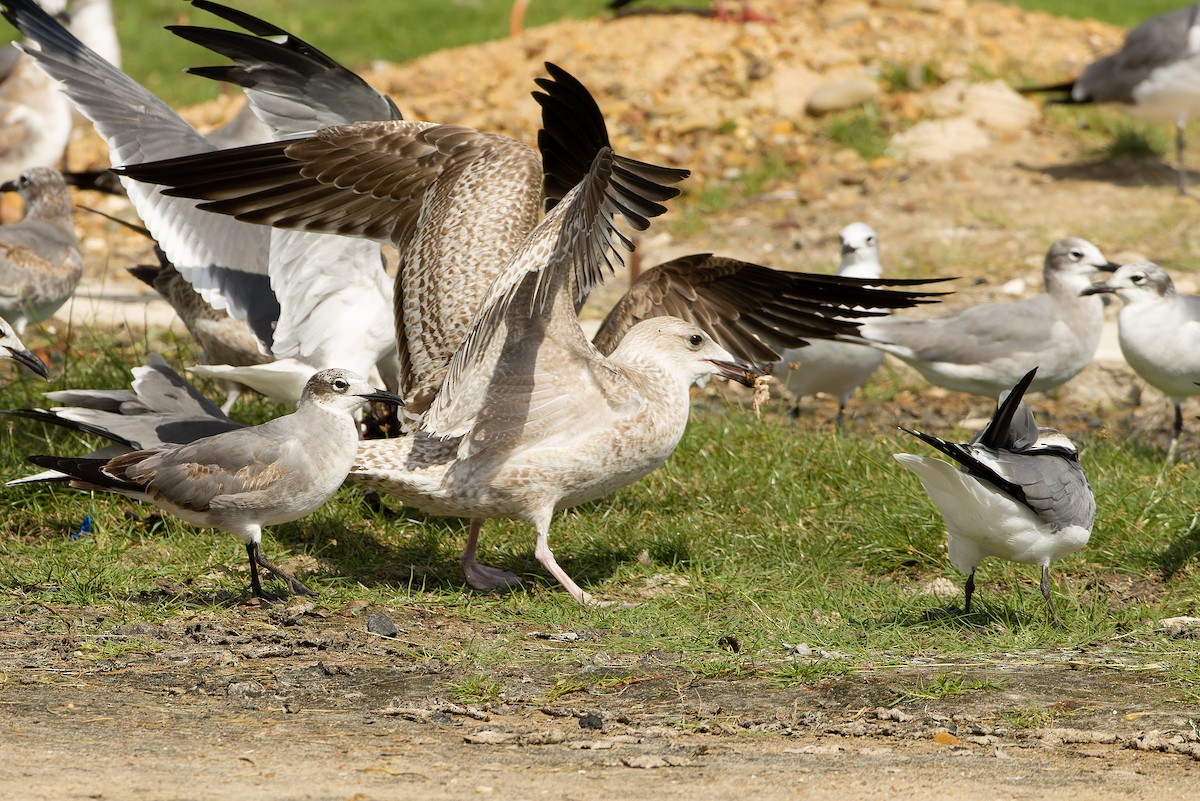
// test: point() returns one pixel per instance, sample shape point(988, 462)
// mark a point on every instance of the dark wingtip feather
point(573, 132)
point(996, 432)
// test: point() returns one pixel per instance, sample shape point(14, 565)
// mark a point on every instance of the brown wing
point(752, 311)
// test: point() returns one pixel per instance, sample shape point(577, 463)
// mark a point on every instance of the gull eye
point(1076, 255)
point(341, 384)
point(1138, 278)
point(695, 340)
point(871, 240)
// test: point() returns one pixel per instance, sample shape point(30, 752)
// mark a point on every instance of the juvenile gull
point(40, 264)
point(1019, 493)
point(461, 207)
point(242, 480)
point(986, 349)
point(1156, 74)
point(838, 368)
point(1159, 332)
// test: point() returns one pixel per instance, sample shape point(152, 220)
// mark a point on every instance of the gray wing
point(1155, 43)
point(975, 335)
point(292, 86)
point(213, 253)
point(1055, 486)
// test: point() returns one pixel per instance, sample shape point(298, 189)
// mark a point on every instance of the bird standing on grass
point(1019, 492)
point(1159, 332)
point(838, 368)
point(242, 480)
point(985, 349)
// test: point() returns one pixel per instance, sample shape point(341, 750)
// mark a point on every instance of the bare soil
point(290, 702)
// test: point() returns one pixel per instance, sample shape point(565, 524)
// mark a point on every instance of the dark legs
point(970, 590)
point(254, 551)
point(1182, 170)
point(1046, 594)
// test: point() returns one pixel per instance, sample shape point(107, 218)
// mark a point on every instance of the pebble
point(382, 624)
point(841, 94)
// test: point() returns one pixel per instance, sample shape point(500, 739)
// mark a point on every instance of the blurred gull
point(838, 368)
point(242, 480)
point(40, 263)
point(1019, 492)
point(986, 349)
point(1156, 74)
point(1159, 332)
point(253, 273)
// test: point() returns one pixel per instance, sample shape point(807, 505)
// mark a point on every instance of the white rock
point(934, 141)
point(842, 94)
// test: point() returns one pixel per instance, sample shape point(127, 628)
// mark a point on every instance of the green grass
point(755, 532)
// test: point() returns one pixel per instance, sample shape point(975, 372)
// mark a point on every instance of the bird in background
point(1018, 492)
point(1156, 75)
point(986, 349)
point(837, 368)
point(1159, 333)
point(242, 480)
point(40, 263)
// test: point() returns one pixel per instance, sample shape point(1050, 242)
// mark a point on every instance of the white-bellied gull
point(242, 480)
point(1018, 492)
point(837, 368)
point(40, 263)
point(986, 349)
point(1159, 332)
point(1156, 74)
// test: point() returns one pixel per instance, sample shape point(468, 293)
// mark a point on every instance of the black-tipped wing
point(293, 86)
point(753, 311)
point(573, 132)
point(1000, 431)
point(972, 465)
point(88, 472)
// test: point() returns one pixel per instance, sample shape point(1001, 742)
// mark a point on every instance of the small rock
point(1181, 628)
point(246, 689)
point(934, 141)
point(489, 737)
point(895, 713)
point(945, 738)
point(841, 94)
point(592, 720)
point(381, 623)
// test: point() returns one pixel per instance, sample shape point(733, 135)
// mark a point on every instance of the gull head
point(860, 250)
point(343, 390)
point(1136, 282)
point(1072, 261)
point(43, 190)
point(11, 347)
point(683, 349)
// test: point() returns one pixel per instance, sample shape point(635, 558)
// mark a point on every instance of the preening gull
point(244, 479)
point(986, 349)
point(13, 349)
point(1019, 492)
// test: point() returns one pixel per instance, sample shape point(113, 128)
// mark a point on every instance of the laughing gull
point(1019, 492)
point(13, 349)
point(40, 263)
point(1159, 331)
point(1156, 74)
point(242, 480)
point(250, 271)
point(986, 349)
point(838, 368)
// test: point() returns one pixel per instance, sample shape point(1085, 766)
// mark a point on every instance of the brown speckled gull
point(40, 263)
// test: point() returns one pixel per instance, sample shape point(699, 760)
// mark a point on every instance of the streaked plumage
point(1018, 492)
point(40, 263)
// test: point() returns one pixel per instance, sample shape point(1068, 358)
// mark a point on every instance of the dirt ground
point(299, 704)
